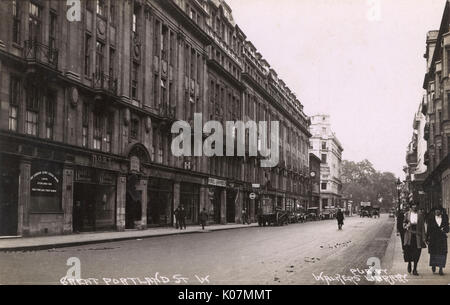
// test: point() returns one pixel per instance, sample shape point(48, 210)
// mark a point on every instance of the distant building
point(325, 145)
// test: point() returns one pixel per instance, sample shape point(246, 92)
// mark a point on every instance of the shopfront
point(94, 199)
point(232, 202)
point(9, 185)
point(190, 200)
point(218, 200)
point(159, 202)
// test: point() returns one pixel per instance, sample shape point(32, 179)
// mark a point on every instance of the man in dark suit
point(182, 217)
point(203, 218)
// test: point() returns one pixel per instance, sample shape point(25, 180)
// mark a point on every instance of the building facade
point(314, 165)
point(325, 145)
point(416, 169)
point(86, 109)
point(436, 108)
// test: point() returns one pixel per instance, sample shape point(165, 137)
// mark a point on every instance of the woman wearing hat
point(437, 230)
point(415, 237)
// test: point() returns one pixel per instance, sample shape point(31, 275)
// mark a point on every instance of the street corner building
point(86, 108)
point(325, 146)
point(428, 155)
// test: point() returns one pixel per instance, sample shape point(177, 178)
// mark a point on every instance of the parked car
point(312, 214)
point(364, 213)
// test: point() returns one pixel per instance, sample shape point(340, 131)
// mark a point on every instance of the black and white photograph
point(235, 144)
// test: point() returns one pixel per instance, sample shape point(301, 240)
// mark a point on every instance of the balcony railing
point(105, 82)
point(38, 52)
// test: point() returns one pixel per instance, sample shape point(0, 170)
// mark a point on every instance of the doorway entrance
point(9, 184)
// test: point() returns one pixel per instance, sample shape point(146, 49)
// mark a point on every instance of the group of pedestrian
point(180, 218)
point(417, 231)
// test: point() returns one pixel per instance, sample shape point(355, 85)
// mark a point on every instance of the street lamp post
point(399, 187)
point(312, 176)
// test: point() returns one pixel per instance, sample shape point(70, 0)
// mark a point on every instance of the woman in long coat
point(415, 237)
point(437, 230)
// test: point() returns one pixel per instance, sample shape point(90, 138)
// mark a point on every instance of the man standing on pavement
point(340, 219)
point(203, 218)
point(245, 217)
point(182, 217)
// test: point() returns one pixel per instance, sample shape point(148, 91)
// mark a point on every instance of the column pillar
point(143, 188)
point(239, 207)
point(120, 202)
point(176, 198)
point(23, 225)
point(223, 207)
point(67, 199)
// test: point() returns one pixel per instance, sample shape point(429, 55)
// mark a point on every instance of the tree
point(364, 183)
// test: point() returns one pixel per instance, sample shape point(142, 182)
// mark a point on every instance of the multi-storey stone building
point(86, 109)
point(437, 111)
point(325, 145)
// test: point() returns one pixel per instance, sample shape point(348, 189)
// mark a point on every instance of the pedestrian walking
point(340, 219)
point(203, 218)
point(245, 216)
point(437, 229)
point(182, 216)
point(400, 228)
point(415, 237)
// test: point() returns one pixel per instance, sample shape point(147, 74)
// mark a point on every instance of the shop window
point(323, 186)
point(16, 21)
point(324, 158)
point(14, 99)
point(324, 145)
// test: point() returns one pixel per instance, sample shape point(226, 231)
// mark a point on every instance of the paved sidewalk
point(394, 263)
point(50, 242)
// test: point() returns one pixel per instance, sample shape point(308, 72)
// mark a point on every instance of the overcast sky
point(342, 58)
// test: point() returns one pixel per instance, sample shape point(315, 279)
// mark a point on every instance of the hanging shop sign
point(44, 182)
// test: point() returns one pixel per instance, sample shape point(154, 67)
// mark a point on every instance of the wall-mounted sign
point(101, 161)
point(84, 174)
point(44, 182)
point(256, 185)
point(217, 182)
point(252, 196)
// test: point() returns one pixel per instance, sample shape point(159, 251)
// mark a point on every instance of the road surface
point(293, 254)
